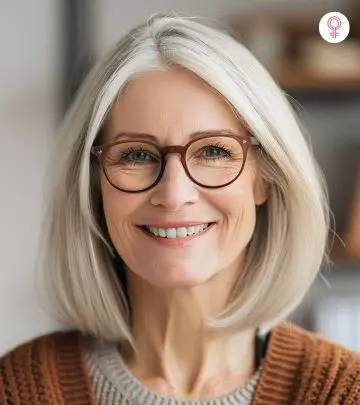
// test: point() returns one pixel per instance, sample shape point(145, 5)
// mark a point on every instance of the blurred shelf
point(350, 253)
point(304, 62)
point(352, 236)
point(343, 256)
point(294, 77)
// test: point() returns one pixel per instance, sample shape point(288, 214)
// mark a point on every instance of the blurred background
point(47, 46)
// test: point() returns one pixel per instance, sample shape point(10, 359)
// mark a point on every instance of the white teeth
point(172, 233)
point(155, 231)
point(197, 228)
point(181, 232)
point(162, 232)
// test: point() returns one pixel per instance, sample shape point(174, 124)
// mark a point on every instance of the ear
point(261, 191)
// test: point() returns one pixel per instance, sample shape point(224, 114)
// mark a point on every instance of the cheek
point(119, 209)
point(237, 206)
point(237, 200)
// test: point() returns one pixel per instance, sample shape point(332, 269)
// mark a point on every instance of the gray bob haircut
point(82, 275)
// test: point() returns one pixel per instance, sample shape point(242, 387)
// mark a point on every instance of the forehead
point(169, 104)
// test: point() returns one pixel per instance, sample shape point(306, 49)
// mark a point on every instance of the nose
point(175, 190)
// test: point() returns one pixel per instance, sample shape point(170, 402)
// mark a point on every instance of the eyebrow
point(194, 135)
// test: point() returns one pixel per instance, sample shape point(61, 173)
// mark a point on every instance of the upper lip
point(184, 224)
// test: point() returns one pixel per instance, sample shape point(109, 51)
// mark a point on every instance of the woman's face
point(171, 106)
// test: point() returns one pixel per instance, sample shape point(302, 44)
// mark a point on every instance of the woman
point(187, 219)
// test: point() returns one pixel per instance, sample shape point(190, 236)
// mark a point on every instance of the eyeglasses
point(211, 160)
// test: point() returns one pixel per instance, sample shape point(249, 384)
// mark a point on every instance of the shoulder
point(317, 345)
point(48, 343)
point(33, 369)
point(325, 369)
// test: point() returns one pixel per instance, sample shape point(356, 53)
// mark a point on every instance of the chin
point(179, 278)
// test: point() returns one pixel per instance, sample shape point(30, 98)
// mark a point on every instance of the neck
point(174, 352)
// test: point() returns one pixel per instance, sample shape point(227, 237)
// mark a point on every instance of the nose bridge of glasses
point(178, 149)
point(174, 149)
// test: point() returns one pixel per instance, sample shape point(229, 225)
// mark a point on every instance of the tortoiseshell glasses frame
point(245, 141)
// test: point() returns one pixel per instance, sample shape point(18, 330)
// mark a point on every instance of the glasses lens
point(132, 166)
point(215, 161)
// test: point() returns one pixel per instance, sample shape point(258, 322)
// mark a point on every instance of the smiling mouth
point(176, 233)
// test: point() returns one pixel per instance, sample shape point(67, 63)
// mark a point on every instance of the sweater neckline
point(105, 357)
point(298, 367)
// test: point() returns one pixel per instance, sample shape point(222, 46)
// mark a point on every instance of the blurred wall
point(29, 43)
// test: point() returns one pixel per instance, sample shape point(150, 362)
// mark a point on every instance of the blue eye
point(214, 152)
point(138, 156)
point(126, 154)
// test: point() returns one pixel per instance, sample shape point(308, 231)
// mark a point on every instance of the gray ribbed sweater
point(114, 384)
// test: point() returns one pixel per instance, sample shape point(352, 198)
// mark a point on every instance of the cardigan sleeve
point(49, 370)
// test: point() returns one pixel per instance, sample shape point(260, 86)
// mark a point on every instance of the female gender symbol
point(335, 27)
point(334, 21)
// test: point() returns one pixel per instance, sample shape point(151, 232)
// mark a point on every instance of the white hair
point(290, 240)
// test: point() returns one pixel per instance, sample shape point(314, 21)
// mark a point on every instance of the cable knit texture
point(300, 368)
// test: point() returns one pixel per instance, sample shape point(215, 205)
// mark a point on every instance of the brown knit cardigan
point(300, 368)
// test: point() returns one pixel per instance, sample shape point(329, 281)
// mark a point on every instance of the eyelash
point(126, 153)
point(219, 146)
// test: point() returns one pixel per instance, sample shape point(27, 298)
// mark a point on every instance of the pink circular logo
point(334, 27)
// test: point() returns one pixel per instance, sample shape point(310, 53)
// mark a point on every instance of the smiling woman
point(209, 180)
point(187, 219)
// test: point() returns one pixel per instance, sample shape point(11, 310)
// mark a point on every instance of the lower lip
point(176, 242)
